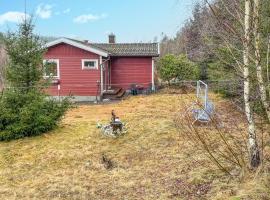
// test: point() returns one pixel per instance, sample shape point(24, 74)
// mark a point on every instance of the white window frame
point(58, 68)
point(89, 60)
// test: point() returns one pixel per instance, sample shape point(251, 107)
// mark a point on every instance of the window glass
point(89, 64)
point(50, 68)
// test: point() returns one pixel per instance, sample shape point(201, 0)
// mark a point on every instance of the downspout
point(153, 69)
point(110, 75)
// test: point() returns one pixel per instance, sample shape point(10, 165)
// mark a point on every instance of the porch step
point(114, 95)
point(121, 93)
point(113, 91)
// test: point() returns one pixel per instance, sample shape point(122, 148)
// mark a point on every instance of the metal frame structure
point(203, 114)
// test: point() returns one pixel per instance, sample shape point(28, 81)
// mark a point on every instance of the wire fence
point(228, 87)
point(78, 86)
point(231, 89)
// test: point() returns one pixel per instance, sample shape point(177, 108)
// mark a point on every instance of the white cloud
point(66, 11)
point(44, 11)
point(15, 17)
point(63, 12)
point(82, 19)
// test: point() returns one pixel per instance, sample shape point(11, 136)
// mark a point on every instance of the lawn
point(151, 161)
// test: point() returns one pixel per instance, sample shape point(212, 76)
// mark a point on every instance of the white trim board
point(78, 45)
point(153, 74)
point(101, 75)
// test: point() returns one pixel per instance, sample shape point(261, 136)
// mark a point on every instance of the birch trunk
point(257, 37)
point(3, 58)
point(267, 65)
point(252, 143)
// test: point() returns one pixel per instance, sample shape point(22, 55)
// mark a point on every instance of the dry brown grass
point(150, 162)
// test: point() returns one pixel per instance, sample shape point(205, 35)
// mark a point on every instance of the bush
point(29, 114)
point(178, 68)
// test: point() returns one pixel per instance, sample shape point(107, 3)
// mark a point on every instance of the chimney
point(111, 38)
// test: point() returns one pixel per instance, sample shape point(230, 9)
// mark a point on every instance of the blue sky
point(130, 20)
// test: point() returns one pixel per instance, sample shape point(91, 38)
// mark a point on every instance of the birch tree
point(267, 64)
point(252, 141)
point(3, 58)
point(240, 31)
point(261, 83)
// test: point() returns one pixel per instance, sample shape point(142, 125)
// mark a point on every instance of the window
point(89, 64)
point(51, 68)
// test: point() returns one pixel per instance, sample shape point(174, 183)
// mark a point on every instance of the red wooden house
point(91, 70)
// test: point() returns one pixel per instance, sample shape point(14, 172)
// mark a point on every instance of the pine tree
point(25, 109)
point(25, 51)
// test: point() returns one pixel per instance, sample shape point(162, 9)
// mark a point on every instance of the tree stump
point(116, 126)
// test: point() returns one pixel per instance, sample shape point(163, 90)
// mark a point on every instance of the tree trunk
point(267, 64)
point(252, 142)
point(3, 58)
point(257, 37)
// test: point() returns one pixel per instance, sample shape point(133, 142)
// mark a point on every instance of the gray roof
point(129, 49)
point(118, 49)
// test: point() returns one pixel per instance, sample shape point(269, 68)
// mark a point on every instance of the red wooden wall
point(81, 82)
point(74, 79)
point(128, 70)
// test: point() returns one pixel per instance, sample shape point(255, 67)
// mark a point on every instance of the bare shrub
point(223, 138)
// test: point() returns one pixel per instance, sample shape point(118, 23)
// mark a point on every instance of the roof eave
point(78, 45)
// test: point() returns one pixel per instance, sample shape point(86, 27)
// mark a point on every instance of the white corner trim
point(78, 45)
point(153, 74)
point(93, 68)
point(158, 48)
point(101, 75)
point(58, 68)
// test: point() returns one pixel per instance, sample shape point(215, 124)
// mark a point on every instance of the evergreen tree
point(25, 51)
point(25, 109)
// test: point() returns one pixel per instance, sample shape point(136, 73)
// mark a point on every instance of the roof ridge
point(83, 41)
point(130, 49)
point(125, 43)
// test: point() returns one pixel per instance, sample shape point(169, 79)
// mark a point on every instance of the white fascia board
point(78, 45)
